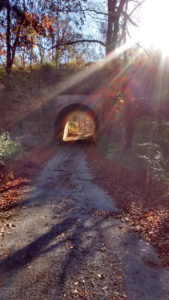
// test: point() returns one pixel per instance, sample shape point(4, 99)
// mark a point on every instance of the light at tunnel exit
point(79, 125)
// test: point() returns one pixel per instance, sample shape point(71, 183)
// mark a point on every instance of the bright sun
point(154, 25)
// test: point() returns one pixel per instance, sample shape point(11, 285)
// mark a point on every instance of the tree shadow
point(27, 254)
point(142, 278)
point(41, 246)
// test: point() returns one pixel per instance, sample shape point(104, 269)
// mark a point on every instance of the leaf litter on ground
point(147, 215)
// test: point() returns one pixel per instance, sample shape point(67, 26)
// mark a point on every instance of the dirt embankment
point(148, 216)
point(20, 173)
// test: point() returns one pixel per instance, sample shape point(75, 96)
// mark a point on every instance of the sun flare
point(154, 25)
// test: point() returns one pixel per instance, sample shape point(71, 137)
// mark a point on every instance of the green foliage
point(9, 149)
point(77, 63)
point(147, 158)
point(152, 158)
point(112, 152)
point(148, 146)
point(2, 73)
point(73, 126)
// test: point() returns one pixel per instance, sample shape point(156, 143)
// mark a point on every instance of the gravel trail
point(68, 243)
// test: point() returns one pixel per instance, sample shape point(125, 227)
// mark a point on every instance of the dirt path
point(66, 243)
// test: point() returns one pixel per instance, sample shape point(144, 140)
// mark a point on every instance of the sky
point(153, 30)
point(153, 25)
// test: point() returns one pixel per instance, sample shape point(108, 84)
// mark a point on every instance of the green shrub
point(153, 160)
point(2, 73)
point(9, 149)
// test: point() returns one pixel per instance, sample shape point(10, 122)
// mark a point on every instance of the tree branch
point(85, 10)
point(137, 6)
point(129, 19)
point(76, 42)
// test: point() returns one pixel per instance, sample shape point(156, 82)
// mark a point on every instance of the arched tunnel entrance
point(77, 122)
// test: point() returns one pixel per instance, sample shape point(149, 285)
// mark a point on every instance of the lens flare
point(153, 27)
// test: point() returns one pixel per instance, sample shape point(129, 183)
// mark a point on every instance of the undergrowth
point(145, 165)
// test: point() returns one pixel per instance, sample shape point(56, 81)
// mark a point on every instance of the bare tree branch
point(76, 42)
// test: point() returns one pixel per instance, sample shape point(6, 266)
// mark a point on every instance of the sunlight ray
point(111, 82)
point(80, 76)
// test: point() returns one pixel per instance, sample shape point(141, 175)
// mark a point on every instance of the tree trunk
point(111, 11)
point(115, 33)
point(31, 54)
point(41, 53)
point(114, 14)
point(57, 58)
point(129, 130)
point(8, 41)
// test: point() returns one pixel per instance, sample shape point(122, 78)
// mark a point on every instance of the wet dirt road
point(67, 243)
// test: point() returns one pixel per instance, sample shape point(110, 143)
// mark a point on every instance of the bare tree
point(115, 20)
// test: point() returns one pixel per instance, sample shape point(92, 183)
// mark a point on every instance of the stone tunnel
point(47, 122)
